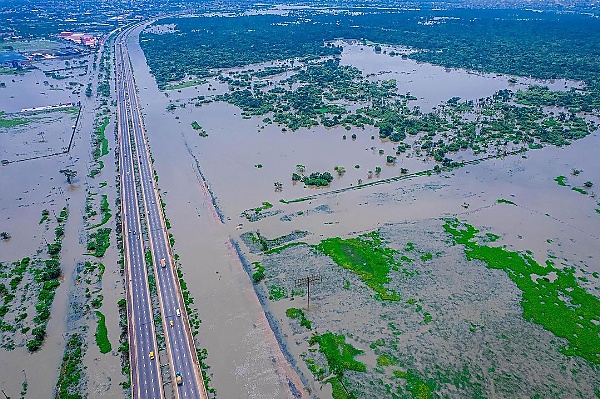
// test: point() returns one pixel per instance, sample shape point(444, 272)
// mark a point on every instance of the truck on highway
point(178, 378)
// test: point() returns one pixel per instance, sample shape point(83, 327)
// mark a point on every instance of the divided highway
point(182, 357)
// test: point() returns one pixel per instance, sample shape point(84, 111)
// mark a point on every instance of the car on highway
point(178, 378)
point(162, 262)
point(177, 312)
point(171, 323)
point(151, 355)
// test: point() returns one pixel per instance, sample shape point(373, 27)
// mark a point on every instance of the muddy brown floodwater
point(246, 361)
point(27, 188)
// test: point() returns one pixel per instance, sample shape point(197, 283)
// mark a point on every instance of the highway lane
point(180, 345)
point(145, 372)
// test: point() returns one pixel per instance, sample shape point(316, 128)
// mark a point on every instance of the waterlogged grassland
point(69, 384)
point(340, 359)
point(295, 313)
point(551, 297)
point(367, 257)
point(12, 122)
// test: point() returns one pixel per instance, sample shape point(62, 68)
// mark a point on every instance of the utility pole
point(306, 281)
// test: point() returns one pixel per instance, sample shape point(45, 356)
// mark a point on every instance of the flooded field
point(458, 328)
point(57, 289)
point(442, 319)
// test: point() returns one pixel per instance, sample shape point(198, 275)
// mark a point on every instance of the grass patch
point(276, 293)
point(386, 360)
point(295, 313)
point(99, 241)
point(505, 201)
point(201, 131)
point(68, 384)
point(426, 256)
point(8, 123)
point(551, 297)
point(340, 358)
point(102, 334)
point(367, 257)
point(183, 85)
point(415, 385)
point(259, 272)
point(579, 190)
point(250, 214)
point(105, 210)
point(277, 250)
point(561, 180)
point(339, 354)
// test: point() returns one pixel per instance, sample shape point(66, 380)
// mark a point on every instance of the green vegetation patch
point(251, 214)
point(367, 257)
point(71, 370)
point(183, 85)
point(276, 293)
point(560, 180)
point(12, 122)
point(277, 250)
point(505, 201)
point(200, 129)
point(295, 313)
point(45, 216)
point(99, 241)
point(102, 334)
point(579, 190)
point(259, 272)
point(551, 297)
point(105, 210)
point(340, 358)
point(419, 388)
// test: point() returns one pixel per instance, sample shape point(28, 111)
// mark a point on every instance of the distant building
point(80, 38)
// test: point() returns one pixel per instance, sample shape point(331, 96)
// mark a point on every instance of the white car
point(177, 312)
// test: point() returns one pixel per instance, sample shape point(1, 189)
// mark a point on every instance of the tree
point(385, 130)
point(278, 186)
point(69, 174)
point(4, 235)
point(588, 184)
point(340, 170)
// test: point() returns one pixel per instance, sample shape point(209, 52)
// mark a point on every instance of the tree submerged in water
point(69, 174)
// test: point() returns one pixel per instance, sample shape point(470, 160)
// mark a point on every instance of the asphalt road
point(146, 380)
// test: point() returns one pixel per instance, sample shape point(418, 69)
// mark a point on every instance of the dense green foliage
point(317, 179)
point(367, 257)
point(551, 297)
point(544, 45)
point(202, 44)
